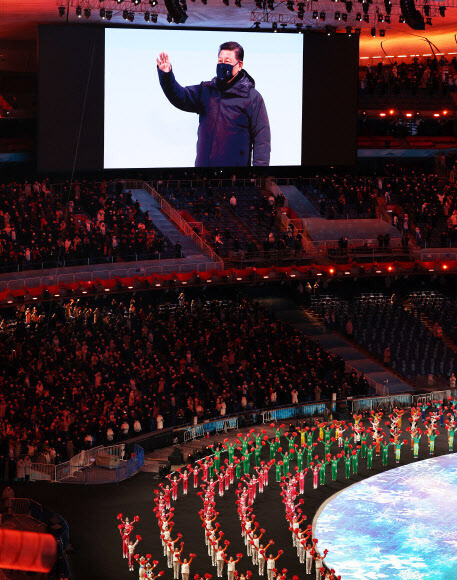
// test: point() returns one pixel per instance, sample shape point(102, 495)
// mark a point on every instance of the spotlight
point(337, 15)
point(62, 10)
point(154, 18)
point(349, 7)
point(78, 11)
point(426, 10)
point(428, 21)
point(238, 3)
point(322, 15)
point(373, 31)
point(136, 2)
point(153, 3)
point(87, 12)
point(382, 32)
point(125, 14)
point(147, 16)
point(380, 18)
point(388, 6)
point(315, 15)
point(274, 27)
point(365, 7)
point(120, 1)
point(442, 11)
point(102, 13)
point(358, 17)
point(109, 14)
point(366, 18)
point(290, 5)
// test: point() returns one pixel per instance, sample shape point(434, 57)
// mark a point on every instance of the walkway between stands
point(385, 381)
point(296, 200)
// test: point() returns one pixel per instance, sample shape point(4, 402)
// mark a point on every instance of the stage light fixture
point(153, 3)
point(238, 3)
point(109, 14)
point(290, 5)
point(357, 31)
point(428, 21)
point(365, 7)
point(382, 32)
point(102, 13)
point(387, 18)
point(380, 18)
point(299, 27)
point(125, 14)
point(442, 11)
point(366, 18)
point(131, 16)
point(274, 27)
point(78, 11)
point(358, 17)
point(348, 30)
point(315, 15)
point(300, 15)
point(388, 6)
point(337, 16)
point(349, 7)
point(147, 16)
point(322, 15)
point(373, 31)
point(136, 2)
point(120, 1)
point(154, 18)
point(87, 12)
point(62, 10)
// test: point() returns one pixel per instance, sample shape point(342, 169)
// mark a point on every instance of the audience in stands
point(431, 75)
point(100, 370)
point(94, 220)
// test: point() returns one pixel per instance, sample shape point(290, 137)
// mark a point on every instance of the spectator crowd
point(96, 371)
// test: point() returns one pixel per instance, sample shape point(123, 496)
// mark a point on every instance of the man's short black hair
point(237, 48)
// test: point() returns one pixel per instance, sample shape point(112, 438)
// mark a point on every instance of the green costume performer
point(370, 451)
point(431, 441)
point(334, 463)
point(309, 438)
point(286, 460)
point(257, 452)
point(231, 451)
point(346, 444)
point(291, 441)
point(355, 461)
point(398, 445)
point(364, 443)
point(322, 472)
point(278, 467)
point(327, 445)
point(299, 453)
point(246, 463)
point(217, 458)
point(272, 444)
point(416, 439)
point(450, 437)
point(385, 452)
point(309, 455)
point(347, 466)
point(211, 469)
point(238, 470)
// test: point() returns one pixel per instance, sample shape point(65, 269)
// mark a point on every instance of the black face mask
point(224, 71)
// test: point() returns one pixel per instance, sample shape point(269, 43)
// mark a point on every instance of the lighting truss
point(113, 5)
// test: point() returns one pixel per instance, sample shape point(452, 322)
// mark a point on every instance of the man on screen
point(234, 129)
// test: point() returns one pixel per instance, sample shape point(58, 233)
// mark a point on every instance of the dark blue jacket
point(234, 130)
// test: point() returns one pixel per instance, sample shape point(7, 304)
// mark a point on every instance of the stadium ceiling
point(19, 19)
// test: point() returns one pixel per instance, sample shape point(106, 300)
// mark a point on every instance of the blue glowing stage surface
point(399, 525)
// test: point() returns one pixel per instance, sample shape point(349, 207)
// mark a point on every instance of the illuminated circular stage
point(399, 525)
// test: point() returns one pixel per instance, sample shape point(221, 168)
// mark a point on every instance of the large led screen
point(247, 112)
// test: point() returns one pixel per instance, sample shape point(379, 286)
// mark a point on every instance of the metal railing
point(77, 468)
point(387, 403)
point(171, 213)
point(209, 428)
